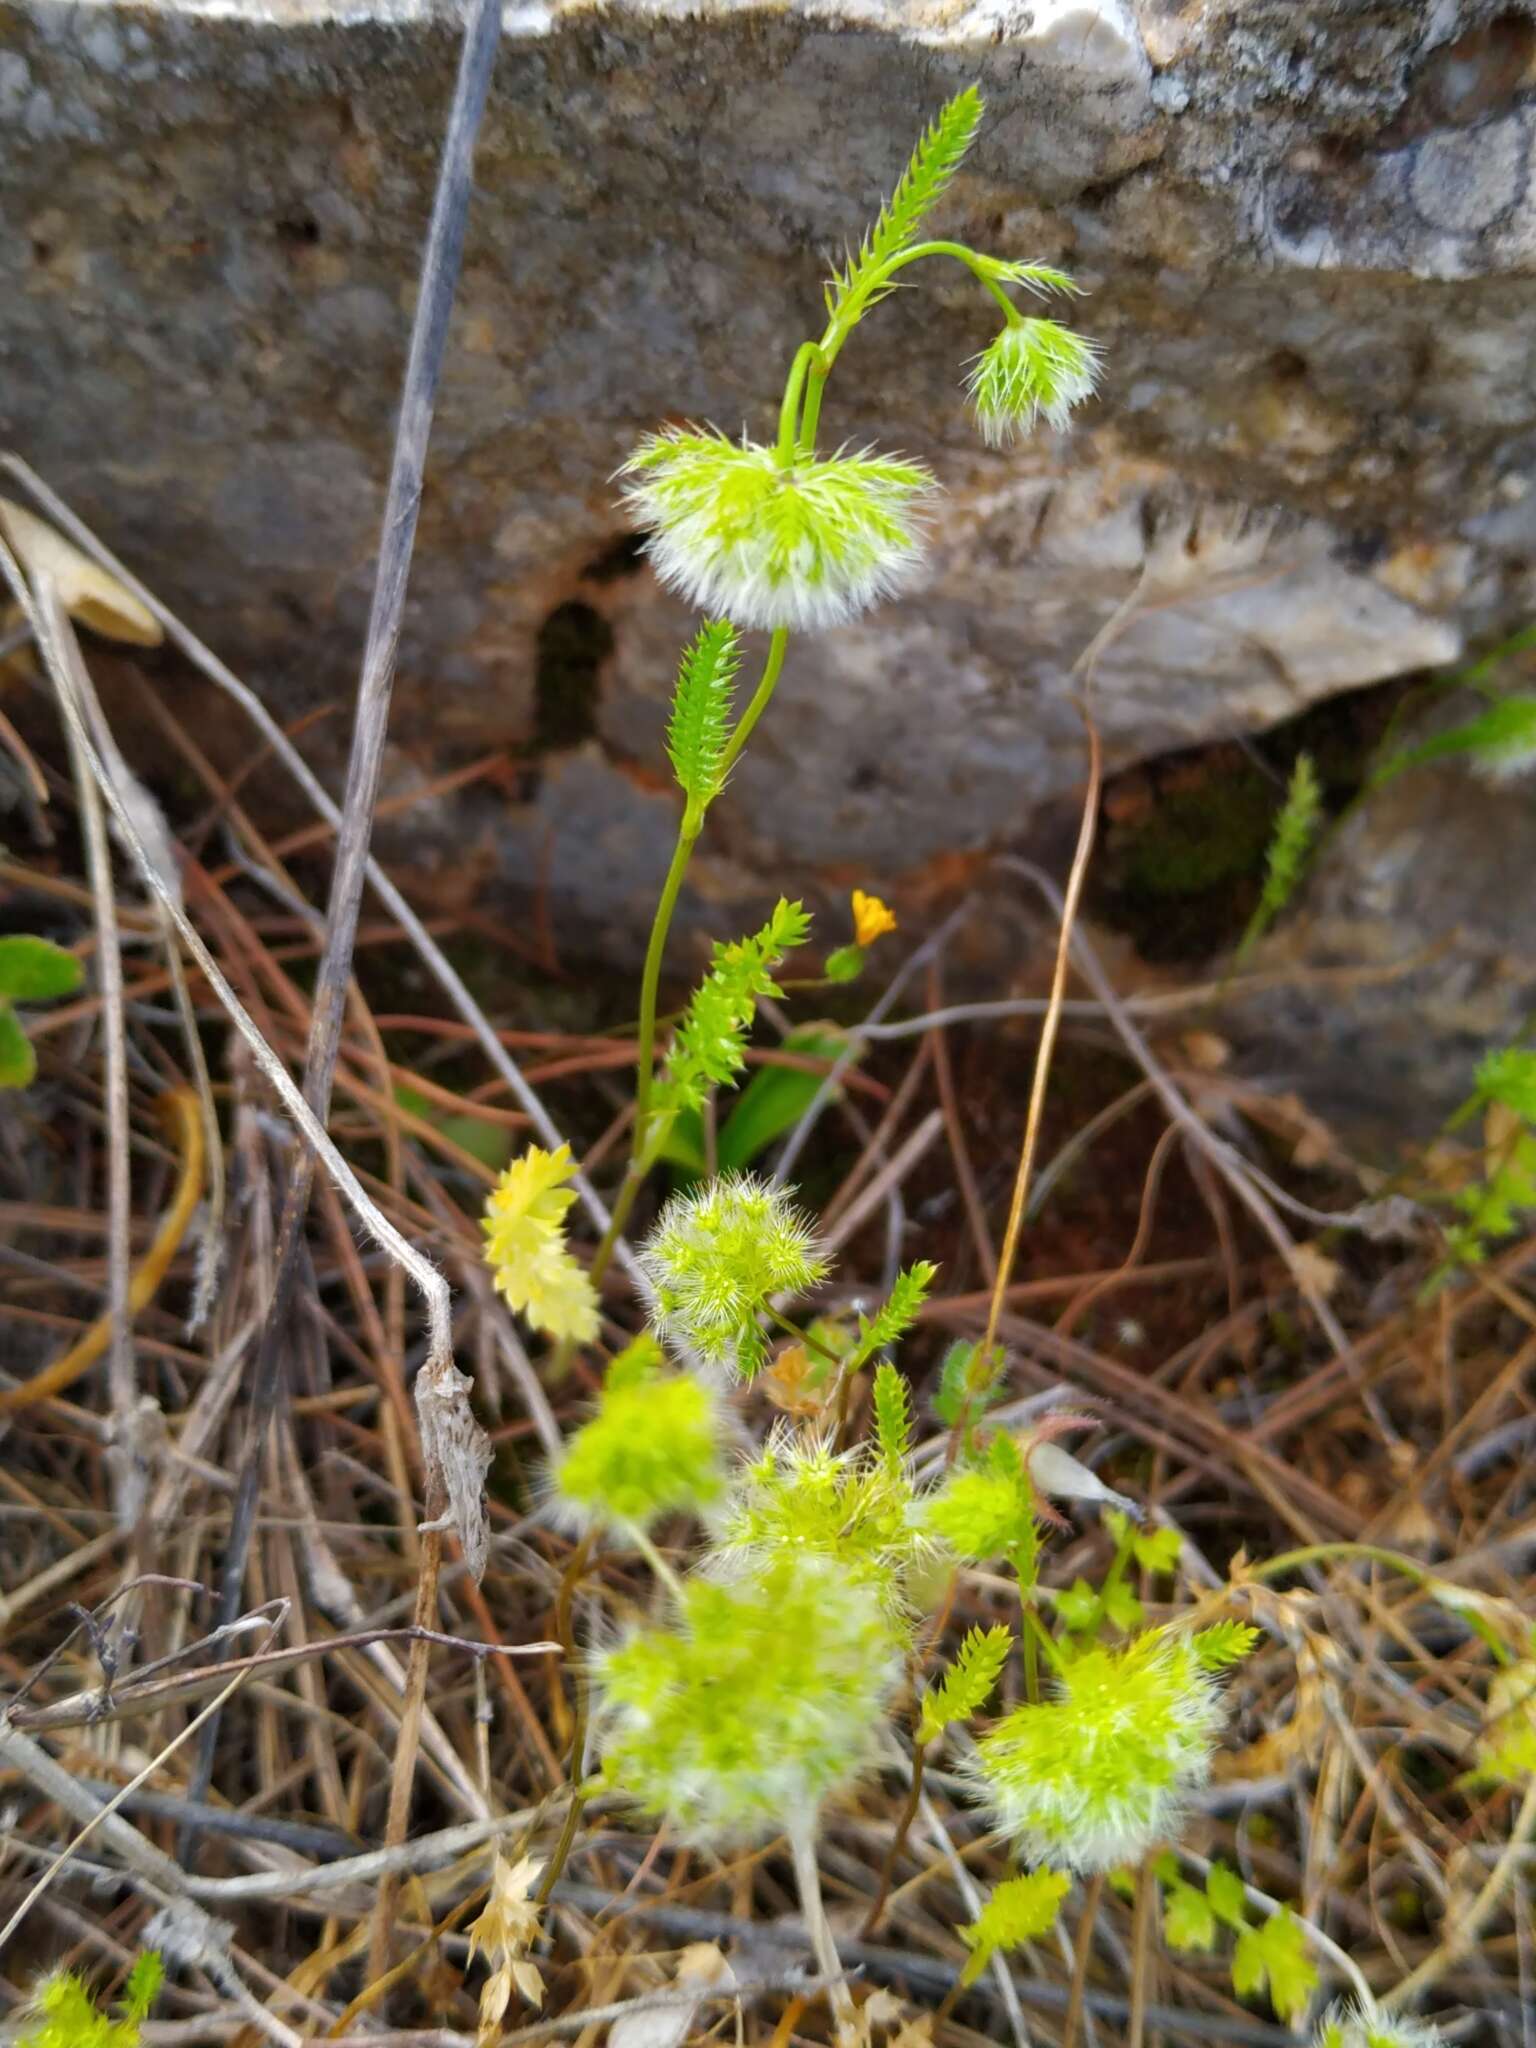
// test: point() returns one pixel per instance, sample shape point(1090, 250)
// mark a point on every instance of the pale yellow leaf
point(87, 592)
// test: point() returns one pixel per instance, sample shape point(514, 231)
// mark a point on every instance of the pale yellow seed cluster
point(525, 1246)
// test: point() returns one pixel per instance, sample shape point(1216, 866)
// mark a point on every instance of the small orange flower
point(871, 918)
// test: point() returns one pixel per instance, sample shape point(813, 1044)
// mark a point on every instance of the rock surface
point(1309, 232)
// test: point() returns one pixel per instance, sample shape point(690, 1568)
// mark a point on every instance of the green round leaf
point(18, 1062)
point(36, 970)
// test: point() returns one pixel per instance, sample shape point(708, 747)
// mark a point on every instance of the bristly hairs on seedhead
point(1095, 1776)
point(716, 1258)
point(766, 1698)
point(63, 2014)
point(990, 1510)
point(1362, 2025)
point(701, 710)
point(653, 1448)
point(855, 1509)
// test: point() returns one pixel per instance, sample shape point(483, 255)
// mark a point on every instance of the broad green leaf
point(776, 1098)
point(1274, 1954)
point(1122, 1606)
point(1079, 1606)
point(18, 1062)
point(1224, 1889)
point(1188, 1922)
point(36, 970)
point(1157, 1550)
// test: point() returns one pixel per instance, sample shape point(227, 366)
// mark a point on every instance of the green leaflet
point(921, 185)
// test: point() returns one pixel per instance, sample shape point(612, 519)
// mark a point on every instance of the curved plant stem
point(644, 1140)
point(898, 1841)
point(1048, 1031)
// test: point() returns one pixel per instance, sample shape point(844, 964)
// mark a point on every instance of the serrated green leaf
point(893, 1417)
point(1229, 1901)
point(1509, 1076)
point(1157, 1550)
point(967, 1683)
point(1020, 1909)
point(18, 1062)
point(896, 1315)
point(36, 970)
point(1122, 1606)
point(708, 1049)
point(921, 185)
point(699, 727)
point(1189, 1925)
point(1226, 1642)
point(1274, 1954)
point(143, 1985)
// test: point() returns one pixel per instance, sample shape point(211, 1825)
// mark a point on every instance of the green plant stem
point(1035, 1631)
point(643, 1143)
point(1321, 1553)
point(772, 667)
point(657, 1563)
point(789, 410)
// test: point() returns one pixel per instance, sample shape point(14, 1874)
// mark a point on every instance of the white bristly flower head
point(1033, 367)
point(716, 1257)
point(1091, 1779)
point(744, 537)
point(767, 1697)
point(1358, 2025)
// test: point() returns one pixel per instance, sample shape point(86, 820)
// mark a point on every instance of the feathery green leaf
point(1224, 1643)
point(920, 187)
point(1295, 830)
point(893, 1417)
point(701, 708)
point(964, 1688)
point(897, 1314)
point(1020, 1909)
point(709, 1048)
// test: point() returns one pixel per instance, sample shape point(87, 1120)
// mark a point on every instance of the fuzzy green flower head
point(1033, 367)
point(1092, 1778)
point(744, 537)
point(652, 1449)
point(802, 1499)
point(988, 1511)
point(717, 1255)
point(764, 1700)
point(1358, 2025)
point(63, 2013)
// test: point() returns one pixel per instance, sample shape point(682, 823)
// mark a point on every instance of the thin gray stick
point(429, 337)
point(438, 965)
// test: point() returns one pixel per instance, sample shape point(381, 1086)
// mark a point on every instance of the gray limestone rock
point(1308, 229)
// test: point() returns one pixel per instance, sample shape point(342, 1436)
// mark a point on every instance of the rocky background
point(1308, 228)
